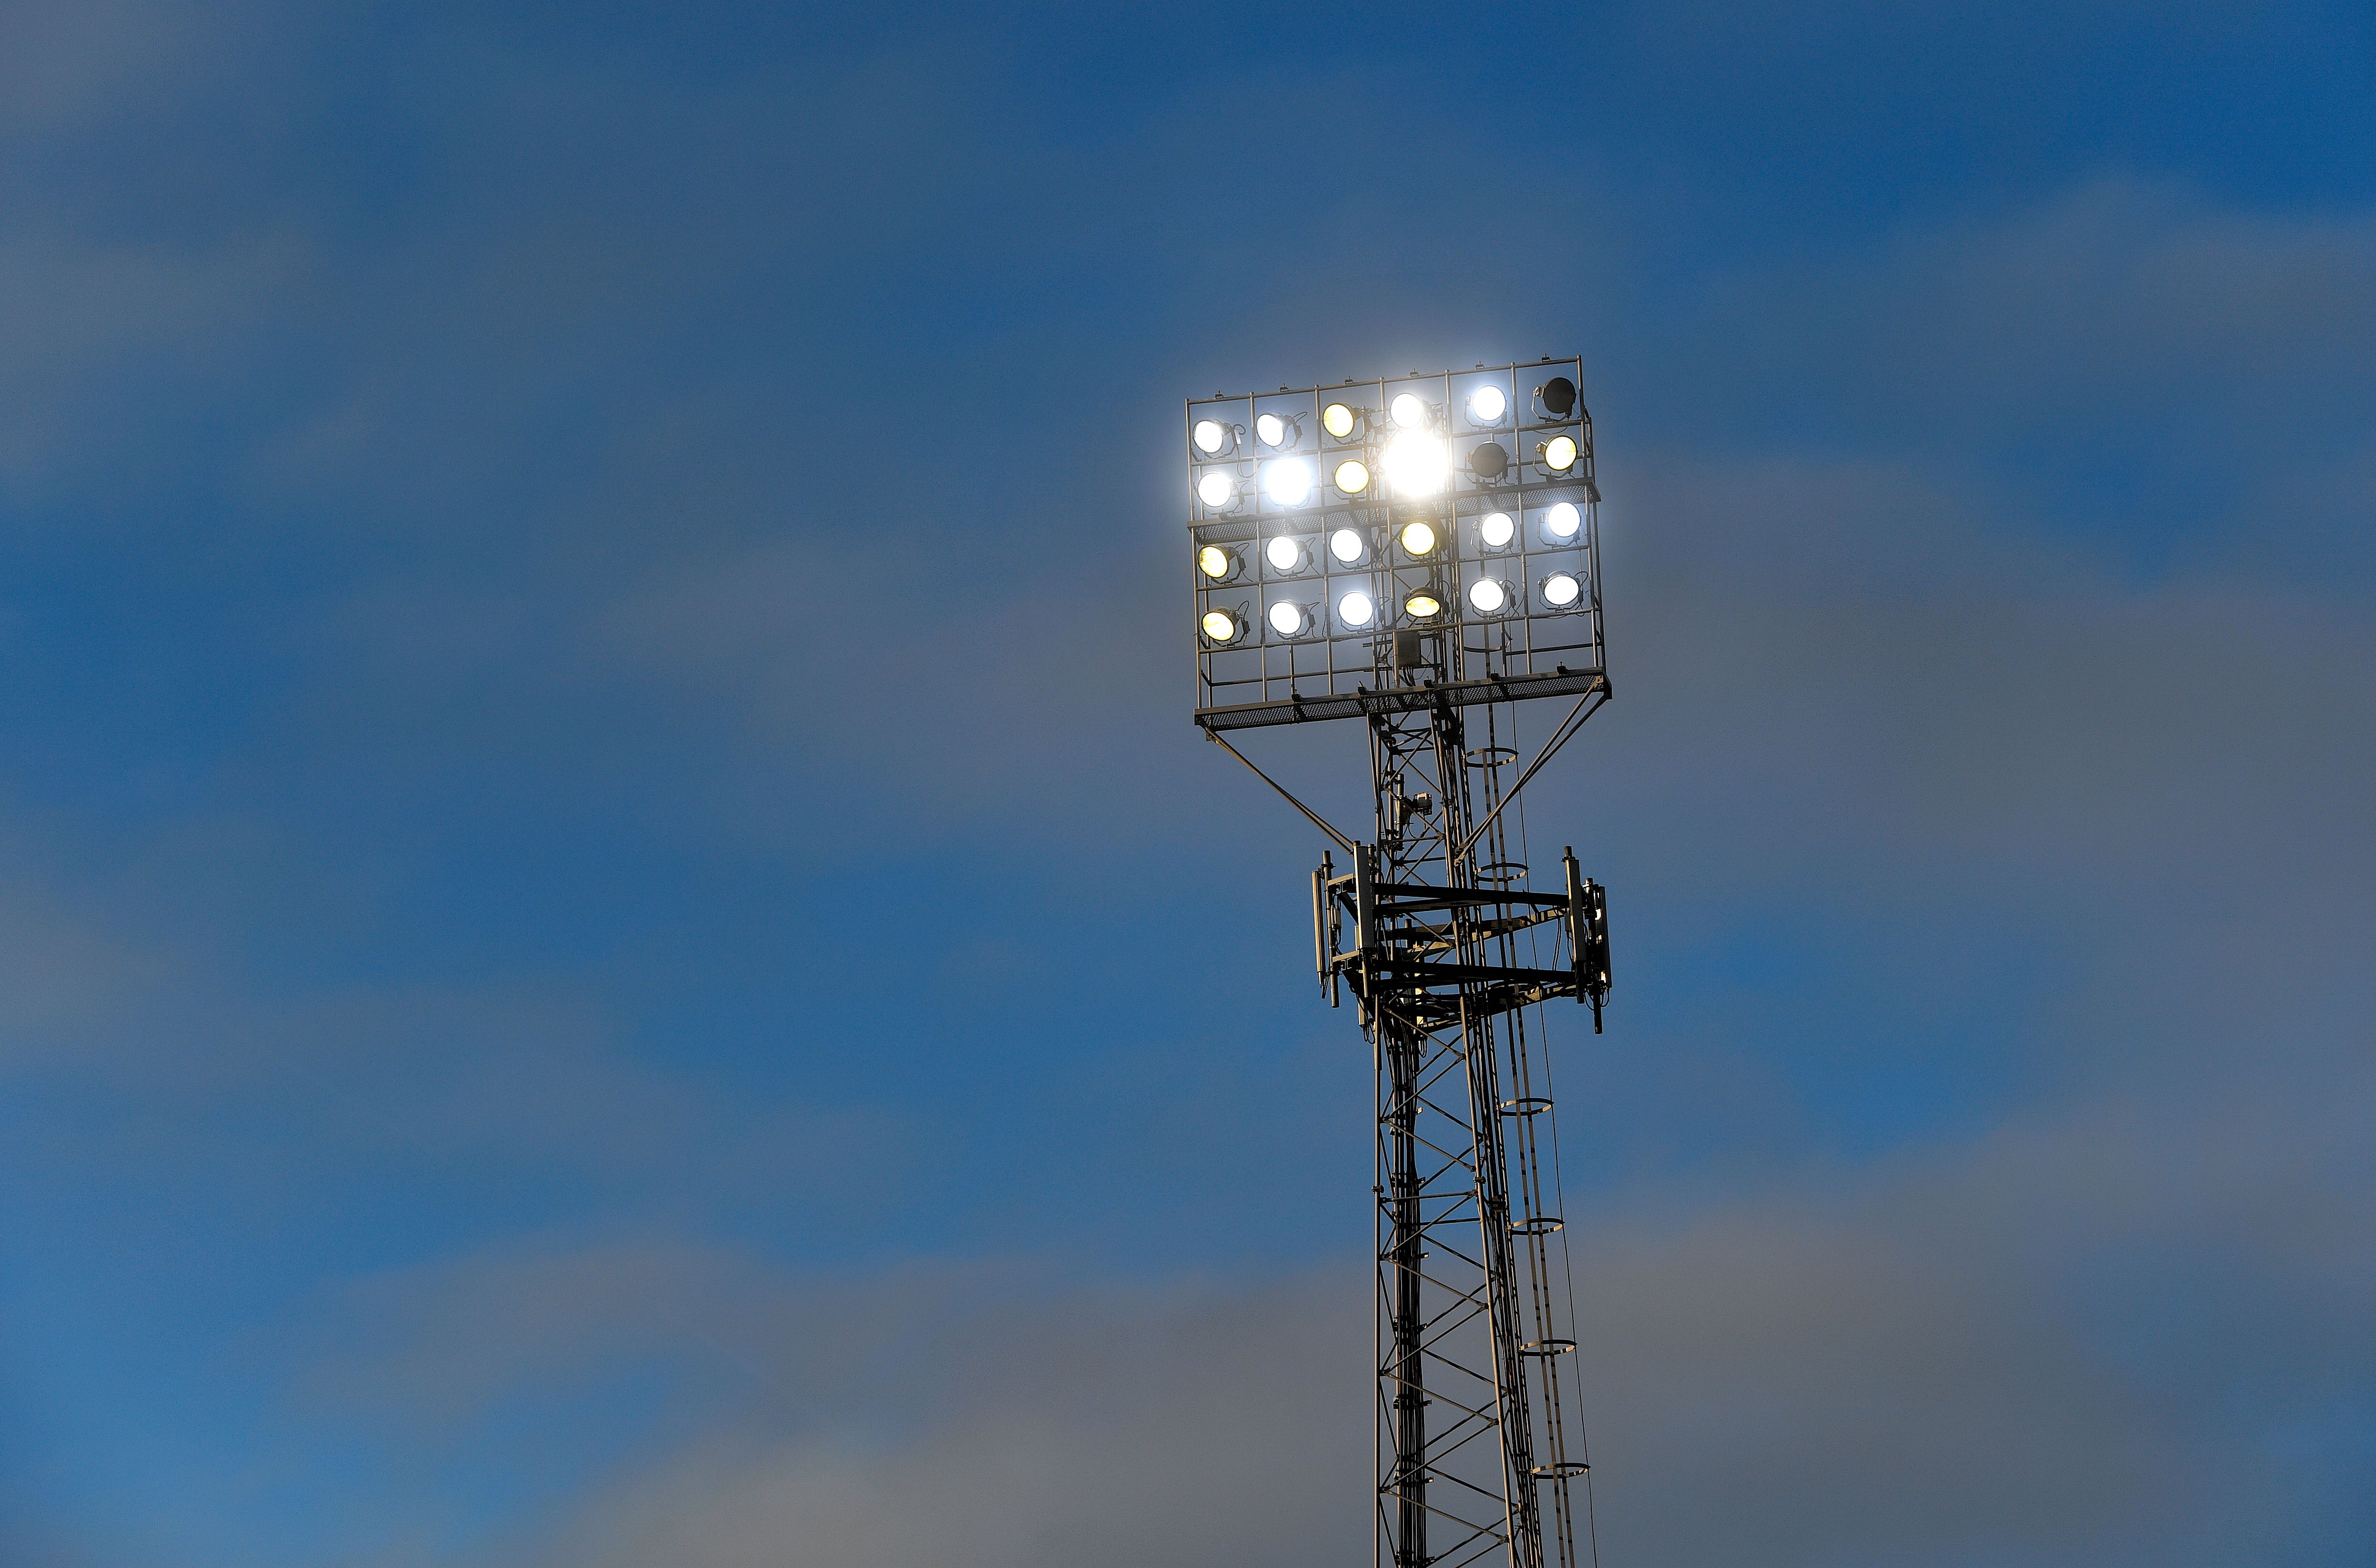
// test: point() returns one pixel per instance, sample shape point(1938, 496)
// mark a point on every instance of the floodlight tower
point(1423, 554)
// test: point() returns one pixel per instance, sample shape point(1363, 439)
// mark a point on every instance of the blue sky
point(615, 947)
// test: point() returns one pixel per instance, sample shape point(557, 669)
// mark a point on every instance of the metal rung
point(1536, 1225)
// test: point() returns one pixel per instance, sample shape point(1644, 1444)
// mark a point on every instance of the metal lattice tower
point(1450, 953)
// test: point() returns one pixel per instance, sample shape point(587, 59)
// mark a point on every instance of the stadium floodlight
point(1368, 491)
point(1489, 595)
point(1401, 553)
point(1287, 556)
point(1288, 481)
point(1290, 619)
point(1414, 464)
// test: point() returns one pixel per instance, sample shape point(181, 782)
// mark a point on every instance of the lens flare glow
point(1558, 454)
point(1488, 596)
point(1215, 562)
point(1415, 464)
point(1560, 590)
point(1288, 620)
point(1338, 421)
point(1418, 538)
point(1497, 530)
point(1423, 604)
point(1357, 609)
point(1274, 430)
point(1486, 404)
point(1352, 477)
point(1288, 482)
point(1563, 520)
point(1409, 411)
point(1220, 627)
point(1216, 489)
point(1211, 436)
point(1284, 555)
point(1349, 546)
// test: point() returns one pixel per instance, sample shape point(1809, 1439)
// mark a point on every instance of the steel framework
point(1451, 956)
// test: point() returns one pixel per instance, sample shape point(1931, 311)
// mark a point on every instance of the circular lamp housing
point(1277, 430)
point(1287, 556)
point(1408, 410)
point(1337, 419)
point(1558, 454)
point(1561, 591)
point(1562, 523)
point(1417, 539)
point(1422, 603)
point(1356, 609)
point(1222, 628)
point(1487, 405)
point(1352, 477)
point(1218, 564)
point(1288, 481)
point(1415, 464)
point(1291, 620)
point(1491, 596)
point(1557, 397)
point(1212, 437)
point(1349, 546)
point(1217, 489)
point(1489, 462)
point(1495, 530)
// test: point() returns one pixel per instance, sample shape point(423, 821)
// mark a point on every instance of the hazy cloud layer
point(614, 948)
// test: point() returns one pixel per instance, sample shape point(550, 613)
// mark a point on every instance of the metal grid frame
point(1335, 670)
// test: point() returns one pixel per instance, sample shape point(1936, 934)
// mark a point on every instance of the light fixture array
point(1326, 520)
